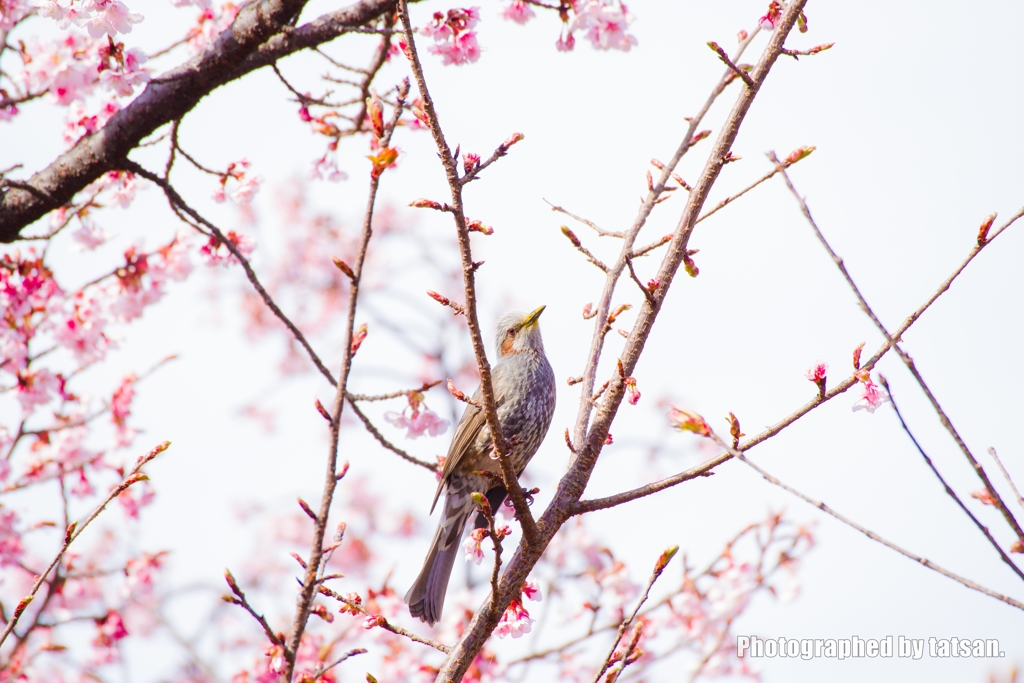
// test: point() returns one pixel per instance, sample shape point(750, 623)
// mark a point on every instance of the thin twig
point(659, 567)
point(867, 532)
point(351, 653)
point(387, 444)
point(995, 456)
point(75, 530)
point(981, 527)
point(723, 55)
point(590, 224)
point(515, 492)
point(981, 243)
point(383, 623)
point(310, 579)
point(240, 600)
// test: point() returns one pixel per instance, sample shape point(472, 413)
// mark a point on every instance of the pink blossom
point(124, 77)
point(120, 409)
point(81, 330)
point(89, 235)
point(985, 497)
point(110, 17)
point(515, 621)
point(817, 372)
point(327, 165)
point(82, 487)
point(246, 189)
point(10, 539)
point(80, 123)
point(454, 39)
point(36, 388)
point(734, 587)
point(418, 422)
point(211, 23)
point(519, 12)
point(565, 43)
point(216, 253)
point(771, 18)
point(134, 498)
point(605, 24)
point(140, 572)
point(532, 591)
point(632, 393)
point(459, 50)
point(11, 12)
point(872, 396)
point(64, 67)
point(471, 546)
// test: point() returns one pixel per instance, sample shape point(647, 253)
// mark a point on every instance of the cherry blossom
point(215, 253)
point(605, 23)
point(10, 538)
point(133, 499)
point(471, 546)
point(632, 393)
point(872, 395)
point(35, 388)
point(417, 419)
point(126, 73)
point(519, 11)
point(89, 235)
point(515, 621)
point(120, 409)
point(772, 17)
point(454, 39)
point(817, 372)
point(211, 22)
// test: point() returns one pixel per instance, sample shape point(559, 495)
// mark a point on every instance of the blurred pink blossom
point(454, 39)
point(420, 420)
point(519, 11)
point(872, 395)
point(605, 23)
point(10, 538)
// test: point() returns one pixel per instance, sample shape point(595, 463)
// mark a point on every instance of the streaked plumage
point(524, 391)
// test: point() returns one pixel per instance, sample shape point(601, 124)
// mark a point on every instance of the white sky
point(916, 116)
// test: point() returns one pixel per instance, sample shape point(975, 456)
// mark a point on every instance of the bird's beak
point(531, 319)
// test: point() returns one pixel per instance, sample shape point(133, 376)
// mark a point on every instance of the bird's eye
point(511, 332)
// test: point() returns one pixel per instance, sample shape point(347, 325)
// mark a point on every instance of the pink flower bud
point(685, 421)
point(357, 340)
point(985, 497)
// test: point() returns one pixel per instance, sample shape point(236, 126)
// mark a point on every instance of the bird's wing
point(465, 434)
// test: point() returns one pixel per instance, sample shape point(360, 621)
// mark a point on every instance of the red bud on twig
point(983, 230)
point(343, 267)
point(856, 356)
point(305, 508)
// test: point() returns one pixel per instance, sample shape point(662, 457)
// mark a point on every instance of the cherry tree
point(395, 319)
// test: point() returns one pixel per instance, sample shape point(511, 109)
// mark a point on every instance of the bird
point(524, 394)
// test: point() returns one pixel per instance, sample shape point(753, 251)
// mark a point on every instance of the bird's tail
point(426, 597)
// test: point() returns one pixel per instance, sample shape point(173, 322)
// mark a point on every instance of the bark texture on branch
point(259, 36)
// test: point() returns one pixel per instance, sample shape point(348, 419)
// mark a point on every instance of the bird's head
point(519, 332)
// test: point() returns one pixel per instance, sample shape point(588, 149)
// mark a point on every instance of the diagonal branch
point(310, 581)
point(867, 532)
point(984, 239)
point(949, 490)
point(75, 530)
point(259, 36)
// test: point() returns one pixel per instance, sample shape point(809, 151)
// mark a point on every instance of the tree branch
point(259, 36)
